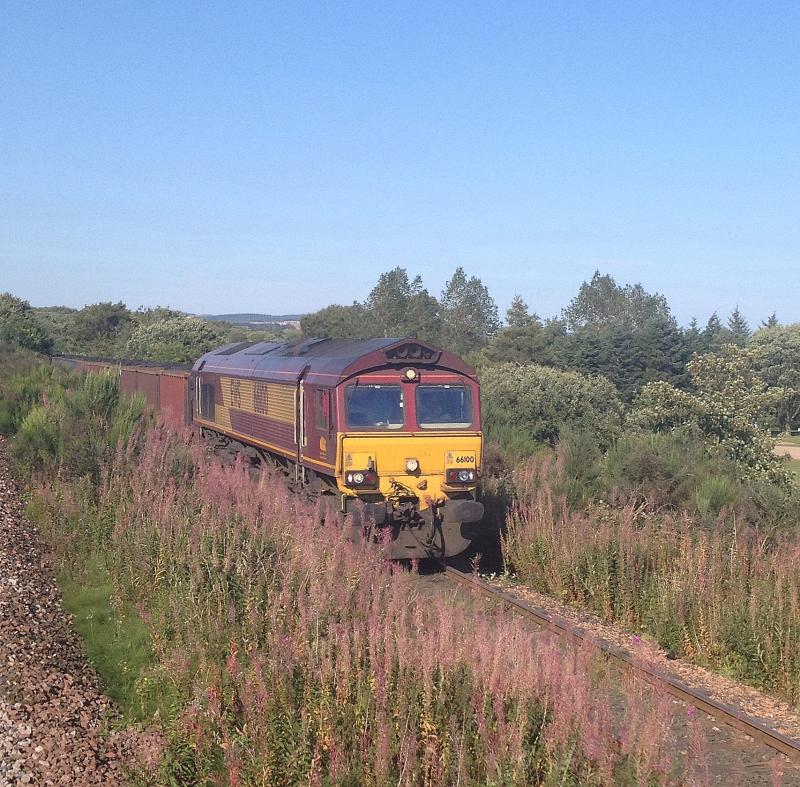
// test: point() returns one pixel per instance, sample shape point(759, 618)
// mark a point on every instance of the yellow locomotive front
point(409, 457)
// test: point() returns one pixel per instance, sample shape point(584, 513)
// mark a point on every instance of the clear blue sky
point(276, 157)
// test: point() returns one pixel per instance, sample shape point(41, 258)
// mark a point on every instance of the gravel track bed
point(54, 719)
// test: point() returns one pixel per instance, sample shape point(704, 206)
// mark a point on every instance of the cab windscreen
point(444, 406)
point(374, 406)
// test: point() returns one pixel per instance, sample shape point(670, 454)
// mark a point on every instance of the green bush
point(24, 378)
point(19, 327)
point(672, 471)
point(38, 440)
point(177, 339)
point(55, 413)
point(525, 406)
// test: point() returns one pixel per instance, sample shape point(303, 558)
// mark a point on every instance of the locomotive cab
point(409, 456)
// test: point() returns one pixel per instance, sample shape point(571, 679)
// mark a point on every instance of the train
point(387, 432)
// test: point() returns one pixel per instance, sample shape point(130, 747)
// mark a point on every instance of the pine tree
point(771, 321)
point(738, 327)
point(517, 315)
point(693, 338)
point(714, 335)
point(388, 302)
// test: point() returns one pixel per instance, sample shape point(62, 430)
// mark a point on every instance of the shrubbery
point(65, 420)
point(723, 594)
point(525, 406)
point(177, 340)
point(18, 325)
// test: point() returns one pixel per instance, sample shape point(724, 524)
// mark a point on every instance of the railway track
point(723, 713)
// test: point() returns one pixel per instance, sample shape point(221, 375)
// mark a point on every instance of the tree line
point(112, 330)
point(606, 353)
point(623, 333)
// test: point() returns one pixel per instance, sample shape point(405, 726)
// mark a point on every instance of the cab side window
point(206, 400)
point(322, 409)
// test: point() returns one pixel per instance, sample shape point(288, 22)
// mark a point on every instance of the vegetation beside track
point(276, 652)
point(721, 591)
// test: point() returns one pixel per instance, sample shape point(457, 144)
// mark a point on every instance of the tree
point(469, 313)
point(738, 327)
point(729, 406)
point(771, 321)
point(528, 405)
point(18, 325)
point(424, 317)
point(401, 307)
point(101, 323)
point(388, 302)
point(176, 340)
point(533, 343)
point(776, 356)
point(694, 338)
point(602, 301)
point(338, 322)
point(714, 335)
point(518, 316)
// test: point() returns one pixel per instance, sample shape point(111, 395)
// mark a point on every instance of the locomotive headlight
point(412, 465)
point(361, 478)
point(466, 475)
point(411, 374)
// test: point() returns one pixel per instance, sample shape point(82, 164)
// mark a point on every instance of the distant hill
point(257, 320)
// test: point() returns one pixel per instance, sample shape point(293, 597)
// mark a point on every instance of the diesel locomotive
point(386, 431)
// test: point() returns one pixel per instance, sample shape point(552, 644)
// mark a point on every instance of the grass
point(784, 440)
point(293, 656)
point(115, 639)
point(722, 594)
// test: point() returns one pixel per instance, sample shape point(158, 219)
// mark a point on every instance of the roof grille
point(234, 348)
point(265, 348)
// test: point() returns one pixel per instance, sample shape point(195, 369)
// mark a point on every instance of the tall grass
point(289, 655)
point(726, 595)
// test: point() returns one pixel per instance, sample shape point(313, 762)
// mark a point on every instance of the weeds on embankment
point(726, 596)
point(284, 654)
point(272, 651)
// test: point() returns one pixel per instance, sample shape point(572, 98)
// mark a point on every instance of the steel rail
point(699, 698)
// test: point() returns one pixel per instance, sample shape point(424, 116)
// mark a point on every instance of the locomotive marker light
point(462, 476)
point(412, 465)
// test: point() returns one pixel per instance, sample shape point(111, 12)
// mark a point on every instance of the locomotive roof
point(328, 361)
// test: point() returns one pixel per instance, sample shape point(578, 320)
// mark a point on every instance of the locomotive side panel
point(252, 410)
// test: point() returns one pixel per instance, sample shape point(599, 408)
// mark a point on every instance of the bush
point(57, 415)
point(525, 406)
point(19, 327)
point(24, 379)
point(38, 439)
point(175, 340)
point(671, 471)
